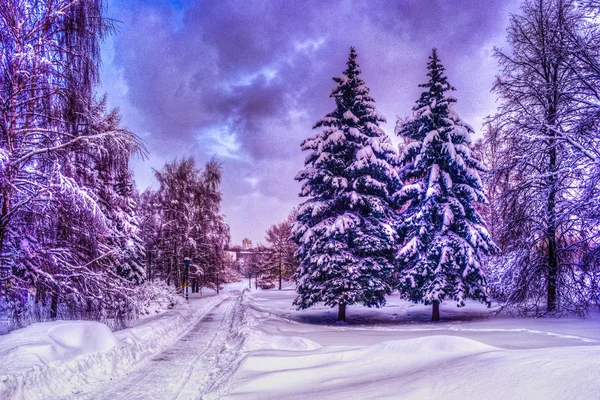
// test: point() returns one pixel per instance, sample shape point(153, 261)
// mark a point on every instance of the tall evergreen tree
point(442, 233)
point(345, 229)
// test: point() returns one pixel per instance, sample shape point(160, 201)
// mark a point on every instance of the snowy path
point(183, 371)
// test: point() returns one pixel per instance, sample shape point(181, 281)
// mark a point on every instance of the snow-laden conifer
point(443, 236)
point(345, 230)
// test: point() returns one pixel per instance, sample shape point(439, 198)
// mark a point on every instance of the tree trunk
point(552, 257)
point(435, 311)
point(149, 265)
point(280, 273)
point(341, 311)
point(551, 231)
point(54, 306)
point(5, 271)
point(169, 273)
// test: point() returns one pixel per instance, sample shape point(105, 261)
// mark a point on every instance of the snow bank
point(68, 340)
point(53, 359)
point(257, 340)
point(441, 367)
point(396, 352)
point(76, 338)
point(254, 318)
point(327, 371)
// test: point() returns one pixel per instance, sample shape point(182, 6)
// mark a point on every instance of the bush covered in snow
point(30, 308)
point(156, 296)
point(520, 286)
point(147, 299)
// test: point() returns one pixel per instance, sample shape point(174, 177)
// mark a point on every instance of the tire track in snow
point(228, 358)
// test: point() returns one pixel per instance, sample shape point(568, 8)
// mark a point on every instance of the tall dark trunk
point(178, 276)
point(169, 270)
point(39, 295)
point(54, 306)
point(5, 271)
point(341, 311)
point(5, 211)
point(552, 247)
point(149, 265)
point(280, 274)
point(552, 183)
point(435, 311)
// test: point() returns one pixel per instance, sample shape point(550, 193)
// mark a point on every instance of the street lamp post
point(186, 261)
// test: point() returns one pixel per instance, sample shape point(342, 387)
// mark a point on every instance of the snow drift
point(61, 358)
point(397, 355)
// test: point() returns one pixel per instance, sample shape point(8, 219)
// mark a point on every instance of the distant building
point(244, 256)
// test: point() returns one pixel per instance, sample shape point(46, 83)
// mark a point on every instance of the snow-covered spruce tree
point(443, 237)
point(345, 230)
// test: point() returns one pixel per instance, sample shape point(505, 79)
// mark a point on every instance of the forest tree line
point(76, 239)
point(512, 218)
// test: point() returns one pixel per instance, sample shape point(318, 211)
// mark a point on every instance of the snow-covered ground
point(62, 359)
point(396, 352)
point(255, 345)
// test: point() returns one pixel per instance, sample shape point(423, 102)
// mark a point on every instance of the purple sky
point(246, 80)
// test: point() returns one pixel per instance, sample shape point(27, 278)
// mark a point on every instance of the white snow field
point(396, 353)
point(255, 345)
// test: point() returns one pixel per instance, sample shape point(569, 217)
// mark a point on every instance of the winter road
point(187, 369)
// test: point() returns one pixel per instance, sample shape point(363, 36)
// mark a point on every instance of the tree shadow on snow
point(389, 315)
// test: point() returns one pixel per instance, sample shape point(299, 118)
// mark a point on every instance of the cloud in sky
point(246, 80)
